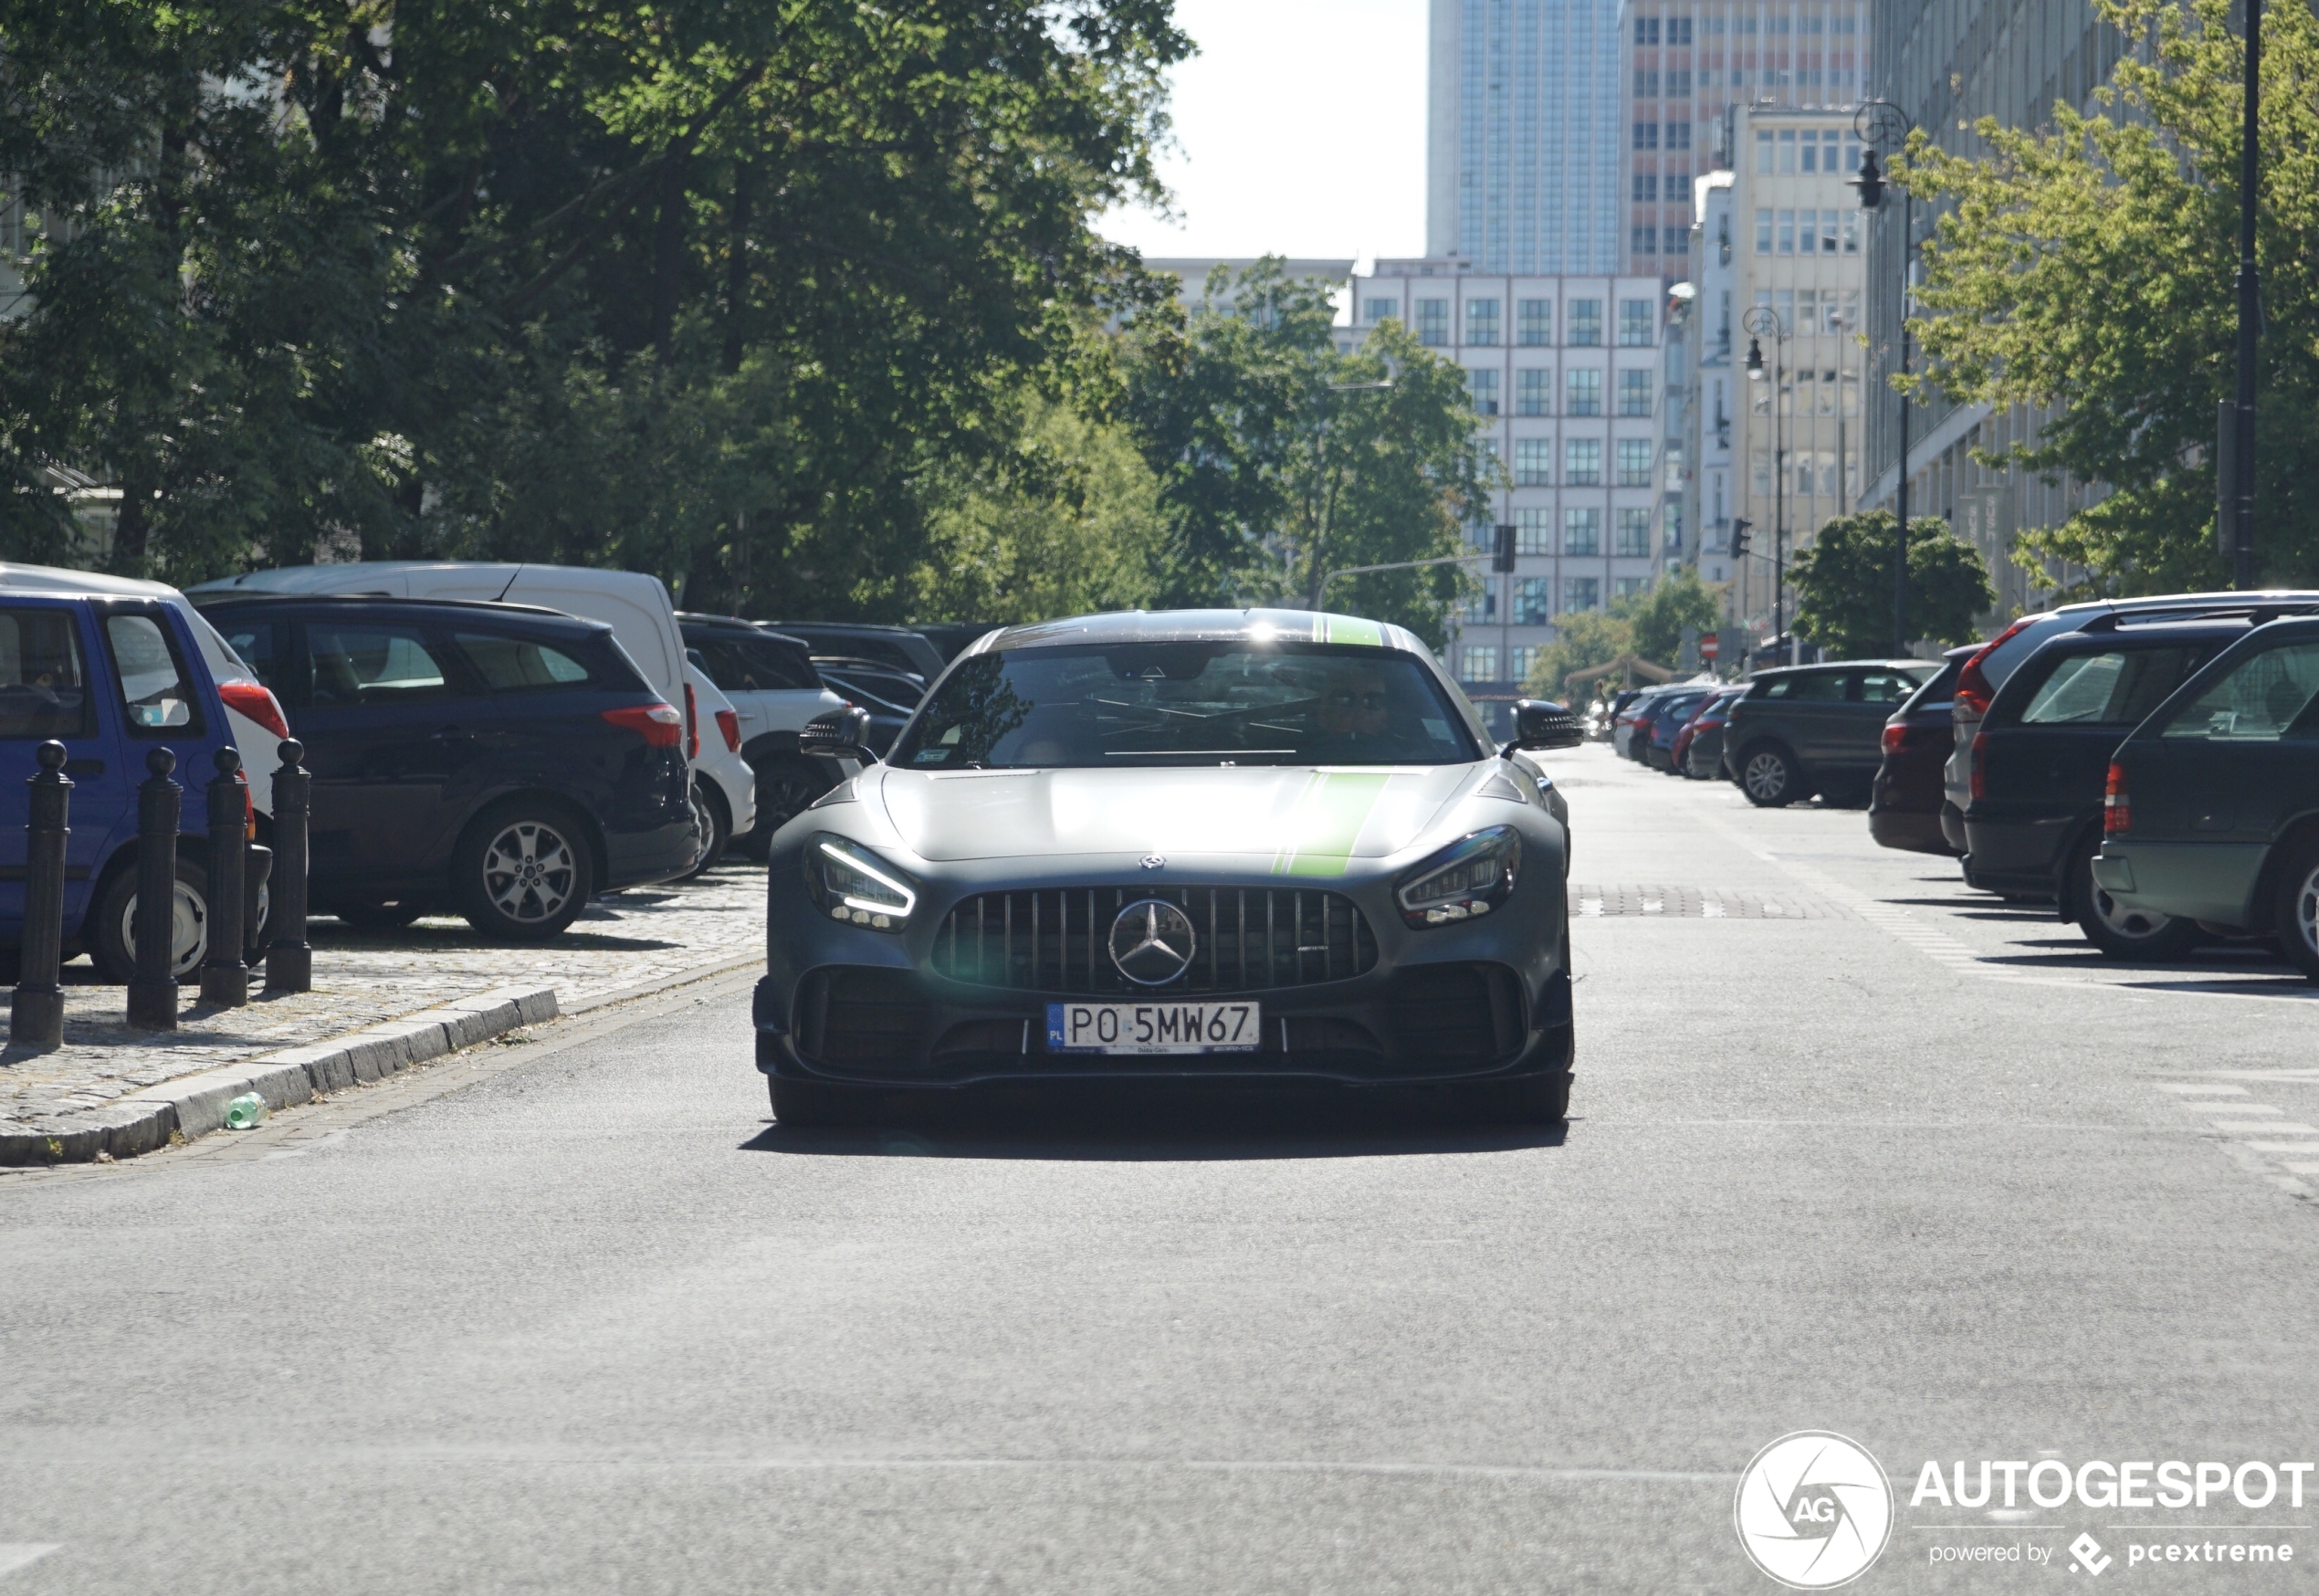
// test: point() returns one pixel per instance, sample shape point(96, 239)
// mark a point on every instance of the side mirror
point(1539, 724)
point(842, 734)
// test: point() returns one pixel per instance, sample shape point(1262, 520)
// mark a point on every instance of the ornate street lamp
point(1758, 320)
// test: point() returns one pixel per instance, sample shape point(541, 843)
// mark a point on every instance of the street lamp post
point(1879, 123)
point(1758, 320)
point(2241, 491)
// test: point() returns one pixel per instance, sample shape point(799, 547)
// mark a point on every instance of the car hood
point(1307, 821)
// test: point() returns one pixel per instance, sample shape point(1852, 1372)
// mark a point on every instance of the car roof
point(2150, 634)
point(1824, 665)
point(18, 577)
point(1204, 626)
point(214, 603)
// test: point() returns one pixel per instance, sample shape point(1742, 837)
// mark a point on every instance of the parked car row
point(2150, 766)
point(1783, 735)
point(505, 742)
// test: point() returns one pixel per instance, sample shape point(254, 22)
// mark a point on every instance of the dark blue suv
point(501, 760)
point(113, 673)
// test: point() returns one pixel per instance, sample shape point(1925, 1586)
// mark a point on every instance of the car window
point(253, 641)
point(1815, 686)
point(750, 665)
point(517, 665)
point(1097, 707)
point(2115, 688)
point(364, 663)
point(44, 688)
point(154, 696)
point(1885, 686)
point(2255, 700)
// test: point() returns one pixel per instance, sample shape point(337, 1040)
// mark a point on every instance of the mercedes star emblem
point(1154, 861)
point(1152, 942)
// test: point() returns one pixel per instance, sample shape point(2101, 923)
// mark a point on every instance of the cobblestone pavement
point(362, 978)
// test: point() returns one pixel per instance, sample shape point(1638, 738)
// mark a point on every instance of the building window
point(1481, 320)
point(1533, 321)
point(1628, 586)
point(1679, 83)
point(1519, 660)
point(1679, 32)
point(1637, 326)
point(1581, 531)
point(1481, 610)
point(1646, 30)
point(1634, 393)
point(1533, 462)
point(1586, 393)
point(1534, 392)
point(1585, 323)
point(1582, 464)
point(1481, 391)
point(1763, 152)
point(1481, 663)
point(1675, 526)
point(1786, 149)
point(1760, 472)
point(1534, 531)
point(1646, 188)
point(1646, 83)
point(1678, 241)
point(1384, 310)
point(1634, 462)
point(1633, 541)
point(1533, 606)
point(1678, 135)
point(1786, 232)
point(1646, 136)
point(1432, 322)
point(1851, 231)
point(1643, 240)
point(1581, 593)
point(1763, 232)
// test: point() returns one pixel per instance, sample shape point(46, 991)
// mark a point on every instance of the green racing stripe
point(1329, 814)
point(1353, 629)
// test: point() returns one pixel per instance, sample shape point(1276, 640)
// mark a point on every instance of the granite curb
point(194, 1105)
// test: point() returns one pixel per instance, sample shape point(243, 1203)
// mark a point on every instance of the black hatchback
point(501, 760)
point(2039, 760)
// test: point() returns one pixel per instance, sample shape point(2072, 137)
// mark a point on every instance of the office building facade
point(1567, 374)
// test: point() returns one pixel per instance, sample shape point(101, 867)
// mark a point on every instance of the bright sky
point(1302, 126)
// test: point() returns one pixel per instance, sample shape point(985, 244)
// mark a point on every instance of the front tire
point(115, 945)
point(2297, 914)
point(2120, 932)
point(712, 826)
point(522, 872)
point(1769, 777)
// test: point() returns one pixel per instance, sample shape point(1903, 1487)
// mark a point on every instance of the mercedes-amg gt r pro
point(1243, 845)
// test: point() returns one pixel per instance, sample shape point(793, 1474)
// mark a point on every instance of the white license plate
point(1154, 1028)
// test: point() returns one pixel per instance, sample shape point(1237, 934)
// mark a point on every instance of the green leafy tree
point(1582, 640)
point(1844, 584)
point(2091, 266)
point(1658, 614)
point(1280, 460)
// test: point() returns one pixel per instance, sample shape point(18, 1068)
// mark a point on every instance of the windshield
point(1187, 703)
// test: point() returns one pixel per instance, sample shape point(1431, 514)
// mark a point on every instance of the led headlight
point(857, 885)
point(1468, 878)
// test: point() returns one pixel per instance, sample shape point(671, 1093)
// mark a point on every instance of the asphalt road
point(1893, 1160)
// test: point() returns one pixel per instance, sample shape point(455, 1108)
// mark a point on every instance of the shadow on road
point(1109, 1125)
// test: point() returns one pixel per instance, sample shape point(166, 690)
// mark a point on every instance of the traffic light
point(1739, 531)
point(1502, 561)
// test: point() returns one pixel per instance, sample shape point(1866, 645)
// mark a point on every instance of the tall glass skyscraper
point(1523, 138)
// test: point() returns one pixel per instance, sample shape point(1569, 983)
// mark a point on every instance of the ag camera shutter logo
point(1814, 1510)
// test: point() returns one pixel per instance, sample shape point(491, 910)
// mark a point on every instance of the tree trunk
point(737, 270)
point(669, 256)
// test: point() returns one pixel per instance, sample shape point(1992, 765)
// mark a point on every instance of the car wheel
point(522, 872)
point(2121, 932)
point(115, 949)
point(816, 1105)
point(1767, 776)
point(711, 830)
point(378, 916)
point(2297, 914)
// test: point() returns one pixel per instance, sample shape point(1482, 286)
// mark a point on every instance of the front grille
point(1250, 939)
point(1454, 1014)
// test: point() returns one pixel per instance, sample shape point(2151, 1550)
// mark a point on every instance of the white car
point(775, 691)
point(724, 789)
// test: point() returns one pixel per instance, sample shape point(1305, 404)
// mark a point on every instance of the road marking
point(2271, 1126)
point(15, 1555)
point(2182, 1089)
point(2281, 1146)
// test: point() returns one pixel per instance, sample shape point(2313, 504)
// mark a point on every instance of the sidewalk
point(380, 1001)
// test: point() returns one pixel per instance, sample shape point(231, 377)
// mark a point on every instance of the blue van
point(113, 673)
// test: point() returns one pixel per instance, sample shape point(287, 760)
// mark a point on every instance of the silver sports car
point(1247, 845)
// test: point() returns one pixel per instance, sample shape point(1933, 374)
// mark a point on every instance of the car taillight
point(1895, 739)
point(1980, 777)
point(253, 702)
point(692, 725)
point(660, 725)
point(729, 722)
point(1973, 689)
point(2117, 810)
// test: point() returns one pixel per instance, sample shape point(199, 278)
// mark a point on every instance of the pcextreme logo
point(1814, 1510)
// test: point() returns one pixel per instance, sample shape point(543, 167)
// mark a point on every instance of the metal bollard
point(289, 961)
point(225, 979)
point(153, 991)
point(257, 864)
point(37, 1018)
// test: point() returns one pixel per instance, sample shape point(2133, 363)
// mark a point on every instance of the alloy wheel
point(189, 930)
point(2307, 911)
point(1766, 776)
point(529, 871)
